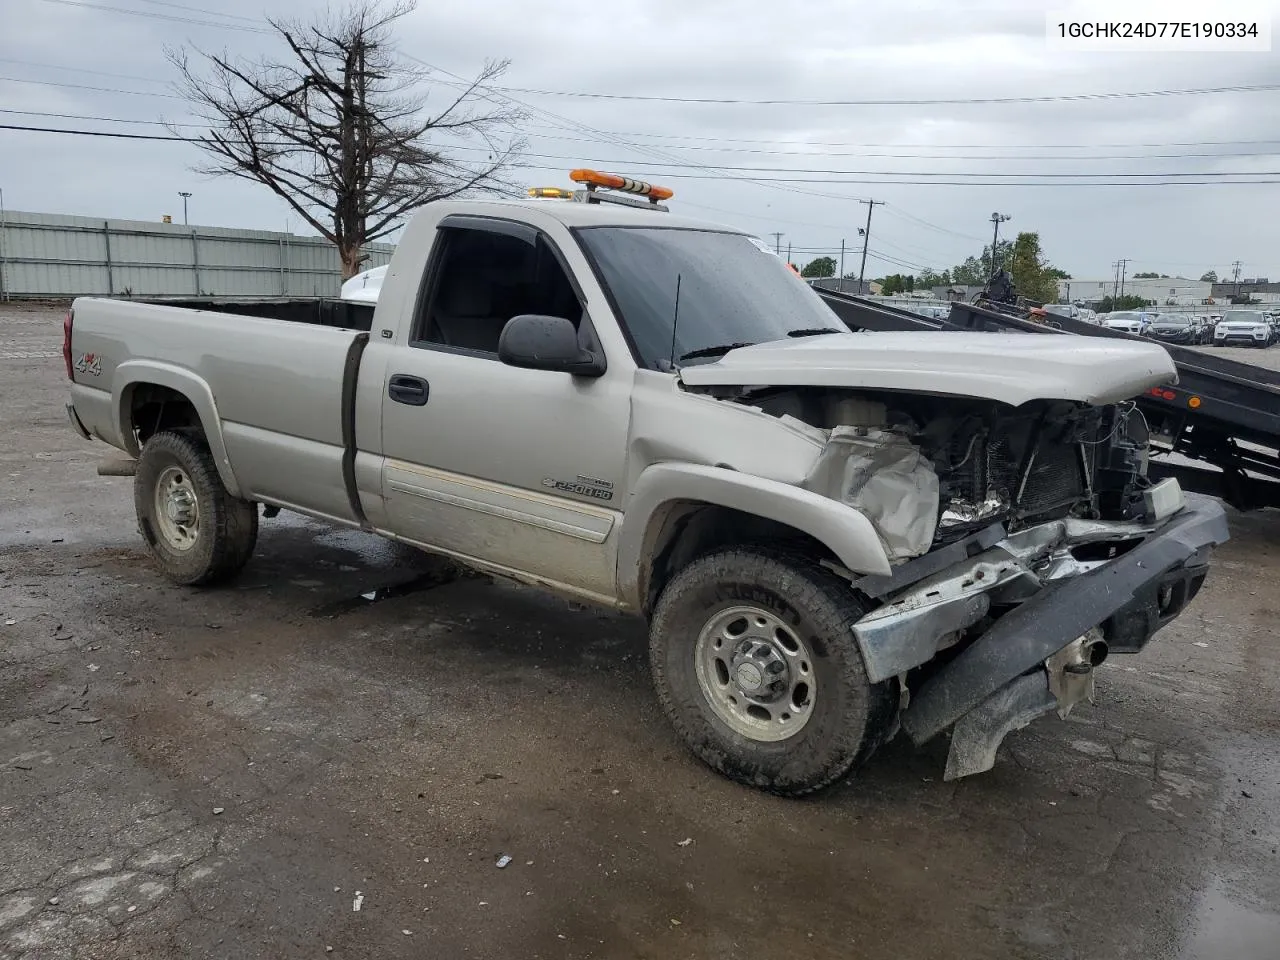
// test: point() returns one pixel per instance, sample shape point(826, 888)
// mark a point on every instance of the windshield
point(1126, 316)
point(1242, 316)
point(1172, 320)
point(733, 291)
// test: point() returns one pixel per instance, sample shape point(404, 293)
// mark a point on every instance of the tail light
point(66, 343)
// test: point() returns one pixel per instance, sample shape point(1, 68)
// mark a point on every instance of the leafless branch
point(339, 126)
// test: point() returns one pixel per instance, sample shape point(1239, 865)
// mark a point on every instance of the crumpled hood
point(1012, 368)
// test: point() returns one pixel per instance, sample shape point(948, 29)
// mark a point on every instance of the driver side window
point(482, 279)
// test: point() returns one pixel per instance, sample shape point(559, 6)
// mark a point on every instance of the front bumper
point(1057, 591)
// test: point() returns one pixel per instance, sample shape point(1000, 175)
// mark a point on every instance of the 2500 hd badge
point(582, 487)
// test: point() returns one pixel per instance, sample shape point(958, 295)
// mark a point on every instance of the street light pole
point(185, 195)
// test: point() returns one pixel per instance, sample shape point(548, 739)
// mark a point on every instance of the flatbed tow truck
point(1221, 412)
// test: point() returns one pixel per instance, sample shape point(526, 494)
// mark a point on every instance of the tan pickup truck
point(832, 535)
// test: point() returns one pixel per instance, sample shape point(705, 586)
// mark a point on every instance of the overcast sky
point(745, 49)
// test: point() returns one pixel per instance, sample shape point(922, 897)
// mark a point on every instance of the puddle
point(1226, 930)
point(389, 592)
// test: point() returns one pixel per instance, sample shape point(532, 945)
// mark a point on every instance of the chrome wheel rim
point(756, 673)
point(177, 510)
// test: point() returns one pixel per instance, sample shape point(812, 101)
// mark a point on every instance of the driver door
point(522, 470)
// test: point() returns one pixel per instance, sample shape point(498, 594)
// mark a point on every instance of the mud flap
point(978, 734)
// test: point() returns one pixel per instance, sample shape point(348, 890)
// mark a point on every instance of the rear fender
point(133, 372)
point(844, 531)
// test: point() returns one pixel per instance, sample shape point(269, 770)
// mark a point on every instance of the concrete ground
point(284, 766)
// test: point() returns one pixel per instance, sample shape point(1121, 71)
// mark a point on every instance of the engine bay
point(1019, 466)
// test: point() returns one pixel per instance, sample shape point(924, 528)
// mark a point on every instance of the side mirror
point(539, 342)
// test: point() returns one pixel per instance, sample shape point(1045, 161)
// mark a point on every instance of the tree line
point(1034, 276)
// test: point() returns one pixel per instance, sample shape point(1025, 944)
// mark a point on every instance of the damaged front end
point(1027, 545)
point(1013, 625)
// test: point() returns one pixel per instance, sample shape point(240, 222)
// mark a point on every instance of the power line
point(59, 67)
point(211, 13)
point(561, 121)
point(895, 209)
point(157, 16)
point(912, 173)
point(713, 175)
point(97, 133)
point(83, 86)
point(960, 146)
point(682, 165)
point(951, 156)
point(907, 101)
point(81, 116)
point(799, 153)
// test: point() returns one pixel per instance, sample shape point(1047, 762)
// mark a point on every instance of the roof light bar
point(593, 179)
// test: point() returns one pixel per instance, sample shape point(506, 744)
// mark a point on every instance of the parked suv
point(1244, 328)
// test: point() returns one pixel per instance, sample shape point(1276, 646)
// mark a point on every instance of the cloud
point(746, 50)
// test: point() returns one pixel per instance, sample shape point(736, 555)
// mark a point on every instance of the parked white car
point(1130, 321)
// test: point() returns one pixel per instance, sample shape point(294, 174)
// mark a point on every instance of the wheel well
point(690, 529)
point(153, 408)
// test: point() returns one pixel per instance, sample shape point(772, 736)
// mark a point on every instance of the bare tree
point(342, 130)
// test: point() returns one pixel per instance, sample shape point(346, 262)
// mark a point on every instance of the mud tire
point(851, 716)
point(226, 529)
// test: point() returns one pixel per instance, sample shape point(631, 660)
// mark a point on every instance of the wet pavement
point(229, 773)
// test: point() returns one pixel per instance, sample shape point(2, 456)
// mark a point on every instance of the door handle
point(411, 390)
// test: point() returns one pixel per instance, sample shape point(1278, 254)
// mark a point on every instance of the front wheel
point(756, 666)
point(197, 532)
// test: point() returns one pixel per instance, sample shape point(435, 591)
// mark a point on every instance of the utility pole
point(1124, 268)
point(1235, 275)
point(841, 273)
point(1115, 280)
point(996, 220)
point(866, 239)
point(788, 251)
point(185, 195)
point(777, 243)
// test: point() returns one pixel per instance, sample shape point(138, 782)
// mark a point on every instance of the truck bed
point(347, 314)
point(273, 374)
point(1221, 411)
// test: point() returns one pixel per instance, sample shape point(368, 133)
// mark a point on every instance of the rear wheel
point(197, 532)
point(756, 666)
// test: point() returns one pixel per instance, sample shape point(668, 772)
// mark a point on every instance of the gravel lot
point(1268, 357)
point(231, 773)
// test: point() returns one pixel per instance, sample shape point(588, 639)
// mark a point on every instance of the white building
point(1165, 291)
